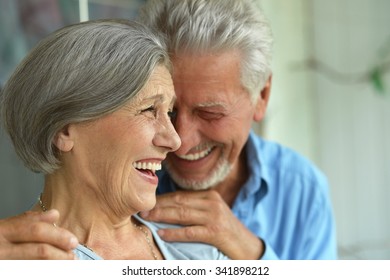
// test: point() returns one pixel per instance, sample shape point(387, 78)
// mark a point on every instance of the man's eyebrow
point(211, 104)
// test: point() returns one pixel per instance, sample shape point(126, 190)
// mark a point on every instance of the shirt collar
point(258, 173)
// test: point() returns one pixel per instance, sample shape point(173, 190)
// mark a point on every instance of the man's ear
point(262, 101)
point(64, 140)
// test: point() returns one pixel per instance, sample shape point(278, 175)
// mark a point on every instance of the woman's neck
point(108, 234)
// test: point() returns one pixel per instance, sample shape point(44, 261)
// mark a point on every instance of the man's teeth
point(147, 166)
point(196, 156)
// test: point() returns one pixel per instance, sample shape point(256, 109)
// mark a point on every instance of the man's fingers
point(35, 251)
point(184, 197)
point(38, 228)
point(182, 215)
point(185, 207)
point(186, 234)
point(51, 216)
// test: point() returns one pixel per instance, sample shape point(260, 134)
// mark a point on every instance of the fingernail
point(161, 232)
point(73, 242)
point(144, 214)
point(50, 211)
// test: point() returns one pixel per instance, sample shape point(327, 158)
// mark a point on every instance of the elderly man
point(255, 199)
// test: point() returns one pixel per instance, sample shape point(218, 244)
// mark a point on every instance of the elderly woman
point(90, 108)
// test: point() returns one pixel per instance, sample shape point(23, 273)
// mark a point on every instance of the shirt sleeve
point(269, 253)
point(320, 234)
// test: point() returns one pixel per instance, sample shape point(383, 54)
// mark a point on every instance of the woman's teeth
point(147, 166)
point(196, 156)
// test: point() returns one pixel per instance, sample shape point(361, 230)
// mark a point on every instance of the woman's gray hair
point(76, 74)
point(210, 26)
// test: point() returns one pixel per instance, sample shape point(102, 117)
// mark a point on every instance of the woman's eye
point(172, 114)
point(150, 109)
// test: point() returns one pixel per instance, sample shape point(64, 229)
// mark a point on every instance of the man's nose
point(188, 130)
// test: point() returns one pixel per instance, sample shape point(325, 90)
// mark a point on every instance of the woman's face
point(117, 155)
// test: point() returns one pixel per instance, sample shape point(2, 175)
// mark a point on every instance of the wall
point(354, 121)
point(290, 116)
point(331, 112)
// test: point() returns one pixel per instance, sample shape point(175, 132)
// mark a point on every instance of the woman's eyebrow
point(157, 97)
point(172, 101)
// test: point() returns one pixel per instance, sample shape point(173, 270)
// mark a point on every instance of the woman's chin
point(148, 204)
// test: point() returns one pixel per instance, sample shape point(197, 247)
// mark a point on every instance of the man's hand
point(32, 235)
point(206, 218)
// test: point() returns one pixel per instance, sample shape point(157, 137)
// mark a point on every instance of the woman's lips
point(147, 170)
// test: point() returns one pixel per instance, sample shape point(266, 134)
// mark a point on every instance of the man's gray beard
point(217, 176)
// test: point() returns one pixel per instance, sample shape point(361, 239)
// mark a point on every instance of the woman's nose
point(167, 136)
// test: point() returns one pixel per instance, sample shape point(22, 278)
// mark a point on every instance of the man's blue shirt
point(285, 202)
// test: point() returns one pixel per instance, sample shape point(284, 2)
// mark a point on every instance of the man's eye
point(210, 115)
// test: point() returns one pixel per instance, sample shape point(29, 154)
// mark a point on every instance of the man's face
point(214, 117)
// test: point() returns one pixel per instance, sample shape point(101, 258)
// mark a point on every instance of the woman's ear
point(262, 101)
point(64, 140)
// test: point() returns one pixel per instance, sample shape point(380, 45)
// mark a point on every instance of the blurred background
point(330, 100)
